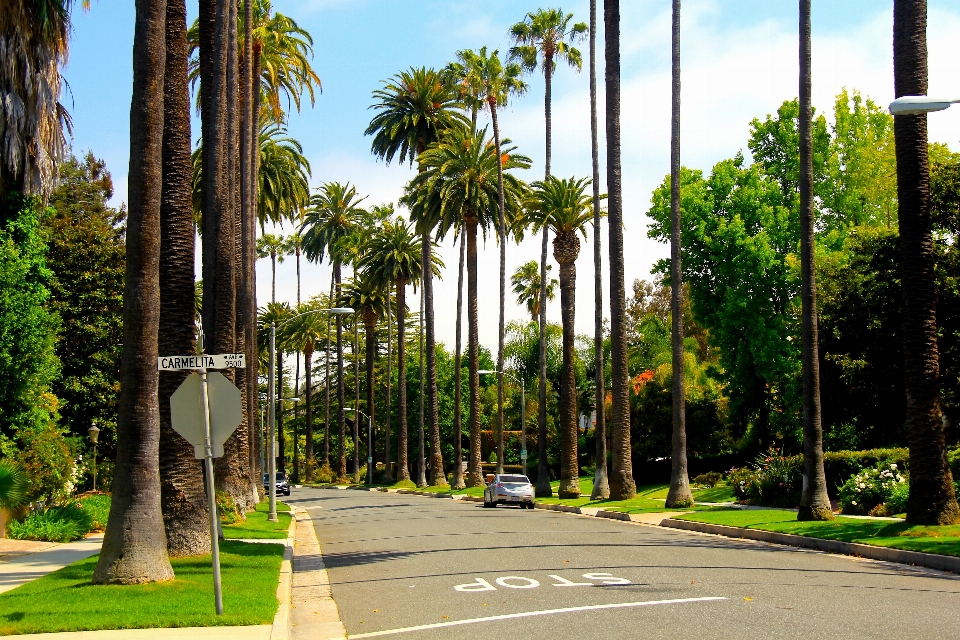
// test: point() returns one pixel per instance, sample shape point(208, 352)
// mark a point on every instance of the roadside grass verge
point(649, 498)
point(882, 533)
point(469, 491)
point(257, 526)
point(65, 600)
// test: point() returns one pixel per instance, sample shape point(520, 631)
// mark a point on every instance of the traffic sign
point(202, 361)
point(186, 412)
point(523, 453)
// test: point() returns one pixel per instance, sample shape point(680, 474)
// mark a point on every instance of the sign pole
point(523, 424)
point(211, 495)
point(272, 426)
point(369, 451)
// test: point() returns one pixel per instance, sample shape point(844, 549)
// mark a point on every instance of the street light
point(369, 444)
point(272, 393)
point(916, 105)
point(94, 433)
point(523, 410)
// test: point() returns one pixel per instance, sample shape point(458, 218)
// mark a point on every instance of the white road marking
point(529, 614)
point(529, 583)
point(569, 583)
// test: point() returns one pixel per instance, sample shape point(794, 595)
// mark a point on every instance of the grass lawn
point(649, 498)
point(257, 526)
point(881, 533)
point(66, 601)
point(469, 491)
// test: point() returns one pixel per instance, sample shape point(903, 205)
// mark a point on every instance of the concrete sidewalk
point(30, 566)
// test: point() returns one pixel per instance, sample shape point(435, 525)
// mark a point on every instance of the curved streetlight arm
point(916, 105)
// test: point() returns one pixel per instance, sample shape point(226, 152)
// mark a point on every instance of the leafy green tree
point(86, 257)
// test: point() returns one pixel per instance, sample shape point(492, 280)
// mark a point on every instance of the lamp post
point(523, 412)
point(916, 105)
point(369, 444)
point(272, 412)
point(94, 433)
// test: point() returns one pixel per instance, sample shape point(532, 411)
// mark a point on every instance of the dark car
point(283, 487)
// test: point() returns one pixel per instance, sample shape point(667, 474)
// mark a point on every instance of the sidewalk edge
point(281, 621)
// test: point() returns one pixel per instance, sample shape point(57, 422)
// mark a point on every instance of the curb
point(281, 621)
point(887, 554)
point(314, 612)
point(563, 508)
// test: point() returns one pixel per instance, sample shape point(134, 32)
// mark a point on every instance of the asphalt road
point(396, 562)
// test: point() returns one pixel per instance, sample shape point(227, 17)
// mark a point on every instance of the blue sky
point(739, 61)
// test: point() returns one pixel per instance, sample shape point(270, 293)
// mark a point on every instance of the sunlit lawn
point(883, 533)
point(65, 600)
point(257, 526)
point(649, 498)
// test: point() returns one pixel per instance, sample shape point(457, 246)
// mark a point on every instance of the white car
point(508, 489)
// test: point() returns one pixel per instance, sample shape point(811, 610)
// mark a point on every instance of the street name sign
point(202, 361)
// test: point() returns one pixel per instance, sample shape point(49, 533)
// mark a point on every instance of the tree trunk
point(622, 486)
point(421, 454)
point(182, 495)
point(281, 448)
point(370, 337)
point(437, 476)
point(543, 489)
point(932, 499)
point(134, 546)
point(387, 475)
point(308, 397)
point(569, 469)
point(341, 389)
point(601, 485)
point(679, 494)
point(403, 465)
point(356, 399)
point(326, 384)
point(458, 482)
point(232, 472)
point(814, 502)
point(273, 275)
point(474, 469)
point(502, 234)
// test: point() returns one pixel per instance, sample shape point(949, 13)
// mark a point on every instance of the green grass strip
point(882, 533)
point(65, 600)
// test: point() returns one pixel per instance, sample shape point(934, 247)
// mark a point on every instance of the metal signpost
point(206, 409)
point(369, 443)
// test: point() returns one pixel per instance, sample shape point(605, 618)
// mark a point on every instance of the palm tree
point(35, 39)
point(414, 108)
point(679, 493)
point(368, 296)
point(333, 215)
point(394, 256)
point(601, 484)
point(182, 494)
point(305, 332)
point(932, 499)
point(814, 503)
point(134, 545)
point(458, 482)
point(542, 38)
point(273, 247)
point(463, 76)
point(458, 187)
point(563, 206)
point(526, 286)
point(622, 485)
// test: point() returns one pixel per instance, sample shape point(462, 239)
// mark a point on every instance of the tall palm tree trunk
point(356, 400)
point(326, 399)
point(281, 448)
point(370, 338)
point(421, 455)
point(403, 464)
point(679, 493)
point(437, 476)
point(474, 470)
point(566, 246)
point(273, 275)
point(502, 233)
point(341, 388)
point(932, 499)
point(135, 546)
point(308, 417)
point(814, 502)
point(458, 482)
point(622, 485)
point(182, 495)
point(543, 489)
point(601, 485)
point(387, 474)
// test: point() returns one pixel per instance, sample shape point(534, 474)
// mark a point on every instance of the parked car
point(508, 489)
point(283, 487)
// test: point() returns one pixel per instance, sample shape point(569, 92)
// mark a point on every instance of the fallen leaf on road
point(376, 610)
point(748, 599)
point(444, 617)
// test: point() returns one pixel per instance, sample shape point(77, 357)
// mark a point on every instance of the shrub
point(56, 524)
point(228, 509)
point(323, 475)
point(98, 506)
point(897, 500)
point(772, 480)
point(709, 479)
point(745, 483)
point(865, 491)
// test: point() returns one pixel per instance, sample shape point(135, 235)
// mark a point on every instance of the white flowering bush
point(871, 488)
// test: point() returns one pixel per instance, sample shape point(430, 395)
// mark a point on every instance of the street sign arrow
point(186, 412)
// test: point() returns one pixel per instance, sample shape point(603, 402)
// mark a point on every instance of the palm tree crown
point(414, 107)
point(547, 32)
point(561, 205)
point(393, 254)
point(525, 282)
point(333, 215)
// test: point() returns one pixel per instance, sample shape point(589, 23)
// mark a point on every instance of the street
point(409, 566)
